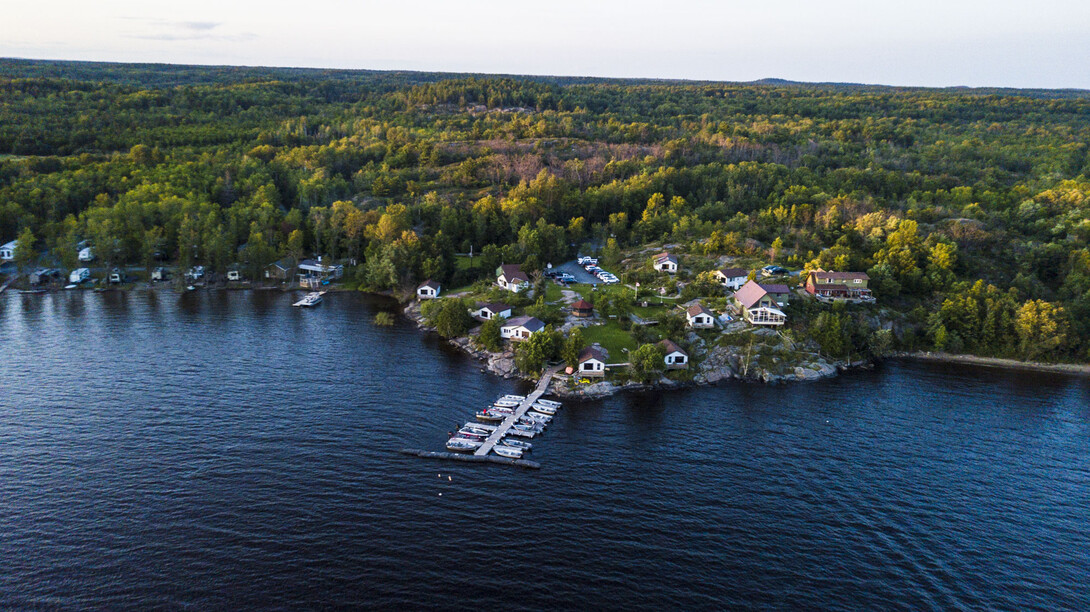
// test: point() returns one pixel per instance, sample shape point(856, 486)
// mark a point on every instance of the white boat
point(517, 398)
point(71, 286)
point(472, 434)
point(462, 444)
point(473, 428)
point(549, 403)
point(311, 299)
point(522, 433)
point(521, 444)
point(537, 417)
point(507, 451)
point(484, 426)
point(506, 403)
point(486, 415)
point(543, 409)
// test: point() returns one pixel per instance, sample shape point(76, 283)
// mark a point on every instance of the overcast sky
point(1034, 43)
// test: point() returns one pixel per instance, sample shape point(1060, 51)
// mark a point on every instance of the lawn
point(463, 262)
point(552, 292)
point(612, 338)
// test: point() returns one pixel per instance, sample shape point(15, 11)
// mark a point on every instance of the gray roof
point(532, 324)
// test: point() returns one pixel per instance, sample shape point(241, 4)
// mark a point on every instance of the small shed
point(582, 309)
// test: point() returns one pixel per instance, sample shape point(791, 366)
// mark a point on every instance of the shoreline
point(994, 362)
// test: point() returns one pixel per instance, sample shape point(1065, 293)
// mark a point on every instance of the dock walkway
point(523, 408)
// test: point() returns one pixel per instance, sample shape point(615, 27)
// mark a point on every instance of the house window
point(588, 366)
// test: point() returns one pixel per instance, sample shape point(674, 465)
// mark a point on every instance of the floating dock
point(524, 407)
point(524, 463)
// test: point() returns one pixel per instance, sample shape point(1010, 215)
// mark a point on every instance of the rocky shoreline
point(719, 363)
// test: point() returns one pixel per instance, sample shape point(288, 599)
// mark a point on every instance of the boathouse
point(592, 362)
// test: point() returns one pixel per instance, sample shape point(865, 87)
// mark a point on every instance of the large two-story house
point(838, 285)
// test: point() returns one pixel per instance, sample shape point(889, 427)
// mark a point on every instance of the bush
point(383, 319)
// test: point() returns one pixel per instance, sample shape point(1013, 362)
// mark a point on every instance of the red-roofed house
point(758, 305)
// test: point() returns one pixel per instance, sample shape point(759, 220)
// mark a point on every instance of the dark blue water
point(224, 450)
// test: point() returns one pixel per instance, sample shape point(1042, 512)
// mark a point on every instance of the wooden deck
point(523, 408)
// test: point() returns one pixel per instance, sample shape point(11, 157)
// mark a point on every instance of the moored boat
point(543, 409)
point(507, 451)
point(311, 299)
point(522, 444)
point(462, 444)
point(517, 398)
point(506, 403)
point(549, 403)
point(487, 416)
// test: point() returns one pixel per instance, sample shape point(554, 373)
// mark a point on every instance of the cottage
point(838, 285)
point(234, 275)
point(758, 306)
point(665, 262)
point(280, 270)
point(86, 254)
point(512, 278)
point(42, 276)
point(7, 251)
point(582, 309)
point(676, 358)
point(700, 317)
point(158, 274)
point(486, 311)
point(315, 268)
point(732, 278)
point(592, 362)
point(116, 276)
point(428, 290)
point(521, 328)
point(79, 275)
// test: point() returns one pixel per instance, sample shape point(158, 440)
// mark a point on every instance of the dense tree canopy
point(971, 205)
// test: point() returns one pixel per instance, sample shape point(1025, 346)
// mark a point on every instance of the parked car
point(773, 270)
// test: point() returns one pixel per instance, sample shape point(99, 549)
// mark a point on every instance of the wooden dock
point(523, 463)
point(524, 407)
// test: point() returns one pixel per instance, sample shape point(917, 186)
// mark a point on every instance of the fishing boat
point(538, 418)
point(487, 416)
point(543, 409)
point(465, 432)
point(472, 428)
point(522, 444)
point(549, 403)
point(527, 427)
point(311, 299)
point(71, 286)
point(507, 451)
point(522, 433)
point(517, 398)
point(506, 403)
point(485, 426)
point(462, 445)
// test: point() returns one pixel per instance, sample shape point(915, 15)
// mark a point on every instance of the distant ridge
point(158, 75)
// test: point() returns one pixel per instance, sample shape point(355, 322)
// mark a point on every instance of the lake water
point(224, 450)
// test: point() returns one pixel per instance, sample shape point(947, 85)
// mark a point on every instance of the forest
point(968, 209)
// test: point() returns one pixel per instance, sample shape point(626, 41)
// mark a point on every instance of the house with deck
point(486, 311)
point(676, 358)
point(521, 328)
point(592, 362)
point(700, 317)
point(512, 278)
point(759, 306)
point(732, 278)
point(833, 286)
point(428, 290)
point(665, 262)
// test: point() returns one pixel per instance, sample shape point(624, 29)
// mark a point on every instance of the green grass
point(612, 338)
point(552, 293)
point(462, 262)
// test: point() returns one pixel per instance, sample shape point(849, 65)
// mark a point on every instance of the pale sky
point(1042, 43)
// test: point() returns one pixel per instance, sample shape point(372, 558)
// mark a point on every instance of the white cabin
point(7, 251)
point(491, 311)
point(676, 358)
point(732, 278)
point(592, 362)
point(665, 262)
point(521, 328)
point(700, 317)
point(86, 254)
point(428, 290)
point(79, 275)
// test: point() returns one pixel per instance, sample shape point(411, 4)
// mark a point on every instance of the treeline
point(968, 210)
